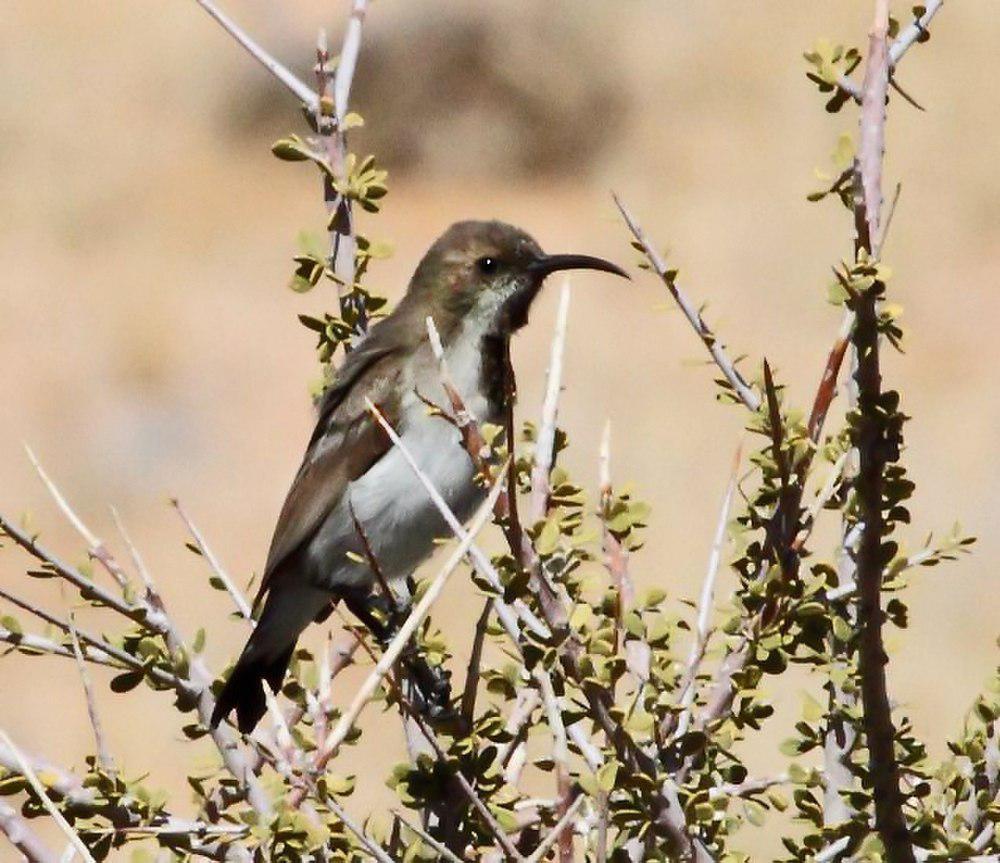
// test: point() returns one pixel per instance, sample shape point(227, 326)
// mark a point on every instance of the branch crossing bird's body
point(477, 282)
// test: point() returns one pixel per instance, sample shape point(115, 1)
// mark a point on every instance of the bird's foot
point(431, 695)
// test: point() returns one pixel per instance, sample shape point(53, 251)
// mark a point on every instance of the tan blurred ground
point(148, 347)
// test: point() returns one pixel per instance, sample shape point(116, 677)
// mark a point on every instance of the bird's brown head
point(490, 271)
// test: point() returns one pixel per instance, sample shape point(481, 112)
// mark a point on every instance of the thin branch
point(103, 753)
point(331, 114)
point(366, 841)
point(95, 547)
point(906, 39)
point(560, 758)
point(406, 631)
point(233, 756)
point(88, 588)
point(467, 423)
point(471, 688)
point(239, 600)
point(106, 652)
point(828, 383)
point(28, 772)
point(511, 755)
point(443, 850)
point(299, 88)
point(912, 32)
point(615, 553)
point(706, 599)
point(23, 838)
point(746, 788)
point(558, 833)
point(715, 348)
point(546, 438)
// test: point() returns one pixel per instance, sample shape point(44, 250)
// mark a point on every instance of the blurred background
point(150, 348)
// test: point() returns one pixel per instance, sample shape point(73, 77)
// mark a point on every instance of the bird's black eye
point(488, 265)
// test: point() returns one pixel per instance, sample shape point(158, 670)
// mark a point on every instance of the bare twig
point(912, 32)
point(28, 772)
point(560, 757)
point(828, 383)
point(88, 588)
point(23, 838)
point(902, 43)
point(467, 423)
point(95, 547)
point(715, 348)
point(545, 440)
point(559, 833)
point(283, 74)
point(443, 850)
point(615, 553)
point(103, 754)
point(239, 600)
point(706, 600)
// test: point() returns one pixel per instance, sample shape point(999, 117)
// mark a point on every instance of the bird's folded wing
point(346, 443)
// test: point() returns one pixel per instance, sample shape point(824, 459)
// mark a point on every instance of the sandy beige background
point(149, 348)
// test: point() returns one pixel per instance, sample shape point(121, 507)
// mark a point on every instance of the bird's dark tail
point(267, 654)
point(244, 689)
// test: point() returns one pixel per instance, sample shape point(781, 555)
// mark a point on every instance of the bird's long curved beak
point(551, 263)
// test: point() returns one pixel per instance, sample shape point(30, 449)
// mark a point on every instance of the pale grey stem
point(706, 601)
point(366, 841)
point(28, 772)
point(557, 831)
point(545, 440)
point(909, 35)
point(560, 757)
point(95, 547)
point(23, 838)
point(511, 754)
point(108, 651)
point(299, 88)
point(747, 788)
point(715, 348)
point(239, 600)
point(103, 753)
point(833, 849)
point(409, 627)
point(88, 588)
point(348, 61)
point(906, 39)
point(46, 645)
point(672, 817)
point(443, 850)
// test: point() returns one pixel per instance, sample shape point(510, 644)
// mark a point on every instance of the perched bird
point(477, 282)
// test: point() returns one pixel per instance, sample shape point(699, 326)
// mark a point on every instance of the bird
point(354, 495)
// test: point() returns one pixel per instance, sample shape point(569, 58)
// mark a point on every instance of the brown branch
point(331, 114)
point(715, 348)
point(873, 452)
